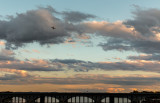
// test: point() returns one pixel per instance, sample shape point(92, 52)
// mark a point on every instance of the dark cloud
point(6, 55)
point(9, 77)
point(142, 46)
point(75, 16)
point(116, 44)
point(154, 57)
point(145, 20)
point(32, 26)
point(67, 61)
point(16, 79)
point(35, 26)
point(85, 66)
point(38, 68)
point(5, 58)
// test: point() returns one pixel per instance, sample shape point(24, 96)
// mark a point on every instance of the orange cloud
point(2, 43)
point(115, 90)
point(21, 72)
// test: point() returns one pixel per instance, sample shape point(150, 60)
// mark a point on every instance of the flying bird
point(53, 27)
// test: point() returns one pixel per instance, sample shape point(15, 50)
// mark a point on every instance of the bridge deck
point(56, 97)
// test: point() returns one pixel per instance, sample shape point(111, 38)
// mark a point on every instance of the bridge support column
point(1, 100)
point(42, 99)
point(111, 99)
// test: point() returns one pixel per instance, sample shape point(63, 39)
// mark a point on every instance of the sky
point(96, 46)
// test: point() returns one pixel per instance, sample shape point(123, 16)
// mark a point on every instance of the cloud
point(140, 34)
point(30, 65)
point(14, 77)
point(36, 51)
point(75, 16)
point(32, 26)
point(109, 29)
point(154, 57)
point(144, 46)
point(128, 65)
point(145, 20)
point(19, 72)
point(139, 45)
point(35, 26)
point(2, 43)
point(67, 61)
point(7, 55)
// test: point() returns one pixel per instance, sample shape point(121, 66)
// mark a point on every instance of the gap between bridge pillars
point(30, 99)
point(111, 99)
point(62, 99)
point(42, 99)
point(97, 102)
point(97, 99)
point(135, 99)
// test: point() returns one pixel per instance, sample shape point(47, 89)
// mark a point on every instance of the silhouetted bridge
point(54, 97)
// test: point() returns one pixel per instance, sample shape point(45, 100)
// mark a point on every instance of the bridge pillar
point(42, 100)
point(111, 99)
point(1, 99)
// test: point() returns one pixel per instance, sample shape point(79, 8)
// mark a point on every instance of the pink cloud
point(36, 51)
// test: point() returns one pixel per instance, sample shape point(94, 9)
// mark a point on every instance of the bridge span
point(56, 97)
